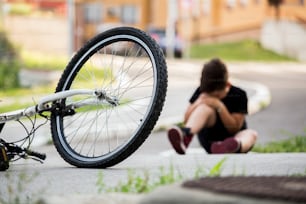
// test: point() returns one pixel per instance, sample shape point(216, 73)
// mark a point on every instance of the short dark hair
point(214, 76)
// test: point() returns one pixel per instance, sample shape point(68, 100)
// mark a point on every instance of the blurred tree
point(276, 4)
point(9, 63)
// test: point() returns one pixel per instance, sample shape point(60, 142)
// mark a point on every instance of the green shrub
point(9, 64)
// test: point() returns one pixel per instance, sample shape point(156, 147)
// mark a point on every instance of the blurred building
point(215, 18)
point(94, 16)
point(195, 19)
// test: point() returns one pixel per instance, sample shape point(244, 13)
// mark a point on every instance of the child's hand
point(211, 101)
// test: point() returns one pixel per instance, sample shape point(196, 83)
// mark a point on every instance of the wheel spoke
point(125, 67)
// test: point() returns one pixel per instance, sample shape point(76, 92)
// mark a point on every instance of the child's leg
point(247, 139)
point(202, 116)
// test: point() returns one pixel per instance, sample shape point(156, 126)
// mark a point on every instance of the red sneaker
point(229, 145)
point(178, 139)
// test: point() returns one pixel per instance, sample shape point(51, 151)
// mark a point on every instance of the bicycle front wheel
point(126, 65)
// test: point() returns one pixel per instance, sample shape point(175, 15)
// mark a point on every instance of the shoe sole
point(229, 145)
point(175, 137)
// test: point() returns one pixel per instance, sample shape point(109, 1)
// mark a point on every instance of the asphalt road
point(287, 113)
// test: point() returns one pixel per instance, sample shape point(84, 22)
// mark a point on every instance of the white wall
point(284, 37)
point(39, 34)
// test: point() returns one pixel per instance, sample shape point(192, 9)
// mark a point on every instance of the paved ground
point(285, 81)
point(286, 116)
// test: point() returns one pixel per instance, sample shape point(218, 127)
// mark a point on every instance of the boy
point(216, 114)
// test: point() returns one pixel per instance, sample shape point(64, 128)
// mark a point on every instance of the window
point(93, 13)
point(130, 14)
point(113, 11)
point(206, 7)
point(244, 2)
point(230, 3)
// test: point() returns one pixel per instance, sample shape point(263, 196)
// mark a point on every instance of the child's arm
point(232, 121)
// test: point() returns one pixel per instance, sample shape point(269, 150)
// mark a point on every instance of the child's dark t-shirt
point(236, 102)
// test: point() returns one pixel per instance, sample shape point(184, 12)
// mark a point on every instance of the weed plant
point(294, 144)
point(14, 189)
point(143, 183)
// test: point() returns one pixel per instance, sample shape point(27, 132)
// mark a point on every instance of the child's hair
point(214, 76)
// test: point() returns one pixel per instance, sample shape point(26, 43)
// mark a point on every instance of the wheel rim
point(133, 81)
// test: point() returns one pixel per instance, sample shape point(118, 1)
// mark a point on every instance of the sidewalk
point(242, 169)
point(259, 166)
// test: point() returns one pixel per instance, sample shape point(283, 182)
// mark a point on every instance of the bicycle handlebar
point(13, 150)
point(36, 154)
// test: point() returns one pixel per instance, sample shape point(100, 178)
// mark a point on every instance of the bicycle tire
point(136, 45)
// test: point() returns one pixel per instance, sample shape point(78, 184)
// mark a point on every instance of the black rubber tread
point(153, 115)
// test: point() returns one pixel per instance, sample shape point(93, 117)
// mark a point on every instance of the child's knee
point(249, 134)
point(207, 109)
point(253, 134)
point(210, 113)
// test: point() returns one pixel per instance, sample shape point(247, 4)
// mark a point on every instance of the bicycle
point(119, 77)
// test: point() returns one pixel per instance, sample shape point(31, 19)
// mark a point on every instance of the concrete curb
point(175, 194)
point(109, 198)
point(170, 194)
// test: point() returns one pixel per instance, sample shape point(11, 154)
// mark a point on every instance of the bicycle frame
point(99, 97)
point(130, 66)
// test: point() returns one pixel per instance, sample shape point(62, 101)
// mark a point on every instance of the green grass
point(23, 92)
point(245, 50)
point(294, 144)
point(40, 61)
point(19, 98)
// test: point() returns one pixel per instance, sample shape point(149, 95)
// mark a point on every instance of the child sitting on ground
point(216, 114)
